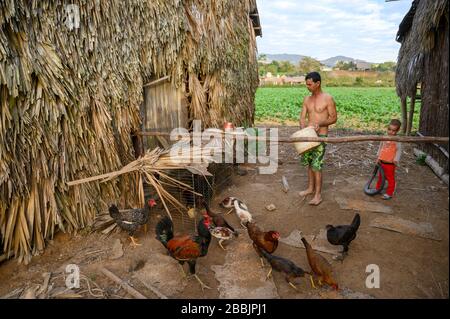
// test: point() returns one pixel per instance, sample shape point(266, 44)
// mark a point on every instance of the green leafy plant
point(357, 107)
point(421, 159)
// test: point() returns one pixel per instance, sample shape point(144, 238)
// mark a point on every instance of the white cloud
point(326, 28)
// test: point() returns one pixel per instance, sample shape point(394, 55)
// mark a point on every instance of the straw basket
point(302, 147)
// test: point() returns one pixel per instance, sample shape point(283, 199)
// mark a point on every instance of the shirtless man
point(319, 111)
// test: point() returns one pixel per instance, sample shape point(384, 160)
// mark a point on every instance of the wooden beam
point(152, 83)
point(136, 294)
point(343, 139)
point(443, 150)
point(435, 167)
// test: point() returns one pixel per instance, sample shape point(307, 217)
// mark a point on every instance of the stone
point(116, 250)
point(242, 259)
point(164, 273)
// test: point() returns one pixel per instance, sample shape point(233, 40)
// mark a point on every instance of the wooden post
point(411, 113)
point(404, 114)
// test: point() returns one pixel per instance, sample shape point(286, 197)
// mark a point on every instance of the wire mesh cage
point(208, 186)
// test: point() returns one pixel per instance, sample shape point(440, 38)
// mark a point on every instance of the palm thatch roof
point(417, 35)
point(71, 83)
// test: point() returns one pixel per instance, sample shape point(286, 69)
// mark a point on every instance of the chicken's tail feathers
point(356, 222)
point(164, 230)
point(265, 253)
point(303, 239)
point(114, 211)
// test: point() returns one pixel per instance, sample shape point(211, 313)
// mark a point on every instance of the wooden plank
point(362, 205)
point(126, 286)
point(318, 242)
point(396, 224)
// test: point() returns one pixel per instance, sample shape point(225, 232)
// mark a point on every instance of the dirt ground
point(410, 266)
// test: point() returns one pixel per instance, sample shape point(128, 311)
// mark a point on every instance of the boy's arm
point(303, 115)
point(379, 151)
point(398, 153)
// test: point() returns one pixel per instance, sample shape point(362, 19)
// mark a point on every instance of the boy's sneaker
point(386, 197)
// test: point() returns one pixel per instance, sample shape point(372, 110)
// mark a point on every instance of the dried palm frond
point(151, 168)
point(70, 97)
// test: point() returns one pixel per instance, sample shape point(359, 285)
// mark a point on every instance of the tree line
point(308, 64)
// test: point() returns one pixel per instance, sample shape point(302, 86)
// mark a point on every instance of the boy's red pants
point(389, 174)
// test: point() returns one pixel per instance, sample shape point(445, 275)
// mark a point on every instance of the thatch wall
point(418, 39)
point(434, 112)
point(423, 58)
point(70, 98)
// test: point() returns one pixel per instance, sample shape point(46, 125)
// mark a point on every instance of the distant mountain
point(293, 58)
point(331, 62)
point(296, 58)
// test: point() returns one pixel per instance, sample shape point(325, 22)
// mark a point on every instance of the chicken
point(320, 266)
point(185, 248)
point(222, 234)
point(131, 220)
point(220, 228)
point(218, 220)
point(290, 270)
point(267, 241)
point(240, 208)
point(229, 203)
point(343, 234)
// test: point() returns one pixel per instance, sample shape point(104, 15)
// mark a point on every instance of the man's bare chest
point(317, 107)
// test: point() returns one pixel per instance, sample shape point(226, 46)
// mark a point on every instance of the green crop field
point(361, 108)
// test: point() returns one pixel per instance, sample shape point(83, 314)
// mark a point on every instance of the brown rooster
point(185, 248)
point(131, 220)
point(268, 241)
point(320, 266)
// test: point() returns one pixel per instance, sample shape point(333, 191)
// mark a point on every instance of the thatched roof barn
point(72, 75)
point(423, 60)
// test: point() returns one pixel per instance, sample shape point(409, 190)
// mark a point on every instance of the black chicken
point(132, 219)
point(343, 234)
point(185, 248)
point(290, 270)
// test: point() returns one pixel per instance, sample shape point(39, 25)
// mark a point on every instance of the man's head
point(313, 81)
point(394, 127)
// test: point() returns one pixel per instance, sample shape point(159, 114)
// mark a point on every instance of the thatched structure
point(423, 60)
point(71, 84)
point(420, 34)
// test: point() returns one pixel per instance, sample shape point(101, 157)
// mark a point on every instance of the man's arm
point(332, 113)
point(303, 115)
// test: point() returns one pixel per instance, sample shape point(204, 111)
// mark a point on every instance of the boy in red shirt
point(388, 157)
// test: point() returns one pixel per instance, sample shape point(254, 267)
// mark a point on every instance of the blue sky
point(361, 29)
